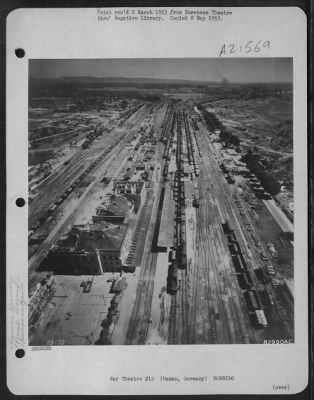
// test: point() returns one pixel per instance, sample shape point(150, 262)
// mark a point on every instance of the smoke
point(221, 77)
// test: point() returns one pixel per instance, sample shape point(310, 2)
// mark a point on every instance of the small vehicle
point(88, 287)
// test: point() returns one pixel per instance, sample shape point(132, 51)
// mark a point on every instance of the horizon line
point(228, 82)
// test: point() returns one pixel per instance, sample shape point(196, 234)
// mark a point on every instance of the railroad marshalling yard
point(145, 227)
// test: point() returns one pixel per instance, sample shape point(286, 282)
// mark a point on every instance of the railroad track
point(148, 295)
point(251, 260)
point(195, 277)
point(203, 261)
point(138, 323)
point(209, 259)
point(237, 303)
point(172, 321)
point(38, 256)
point(184, 308)
point(230, 210)
point(235, 331)
point(229, 281)
point(65, 177)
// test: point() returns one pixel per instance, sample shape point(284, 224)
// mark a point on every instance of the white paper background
point(76, 33)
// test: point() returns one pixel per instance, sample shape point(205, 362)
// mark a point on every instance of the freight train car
point(231, 237)
point(234, 248)
point(172, 255)
point(238, 263)
point(227, 226)
point(196, 203)
point(172, 278)
point(265, 298)
point(196, 200)
point(245, 280)
point(183, 262)
point(154, 247)
point(251, 300)
point(88, 286)
point(260, 319)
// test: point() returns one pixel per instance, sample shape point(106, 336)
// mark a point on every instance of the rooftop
point(118, 206)
point(93, 237)
point(135, 185)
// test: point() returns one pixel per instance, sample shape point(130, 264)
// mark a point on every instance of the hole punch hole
point(20, 53)
point(20, 202)
point(20, 353)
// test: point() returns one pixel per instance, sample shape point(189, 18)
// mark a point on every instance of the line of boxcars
point(60, 199)
point(240, 266)
point(196, 129)
point(196, 198)
point(174, 253)
point(168, 123)
point(179, 248)
point(180, 239)
point(177, 254)
point(253, 304)
point(254, 307)
point(168, 139)
point(154, 247)
point(190, 146)
point(172, 278)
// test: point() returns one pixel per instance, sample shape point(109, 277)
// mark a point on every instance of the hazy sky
point(198, 69)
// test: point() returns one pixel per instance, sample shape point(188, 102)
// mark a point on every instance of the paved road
point(280, 217)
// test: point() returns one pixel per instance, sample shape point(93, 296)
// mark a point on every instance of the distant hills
point(76, 85)
point(123, 81)
point(126, 81)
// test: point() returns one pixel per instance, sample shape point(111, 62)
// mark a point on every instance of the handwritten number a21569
point(248, 47)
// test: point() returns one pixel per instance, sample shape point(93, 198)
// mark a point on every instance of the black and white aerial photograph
point(161, 201)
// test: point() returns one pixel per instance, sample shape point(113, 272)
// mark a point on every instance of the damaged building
point(91, 249)
point(134, 191)
point(115, 210)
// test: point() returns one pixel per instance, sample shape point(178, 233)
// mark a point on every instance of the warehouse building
point(113, 210)
point(134, 191)
point(91, 249)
